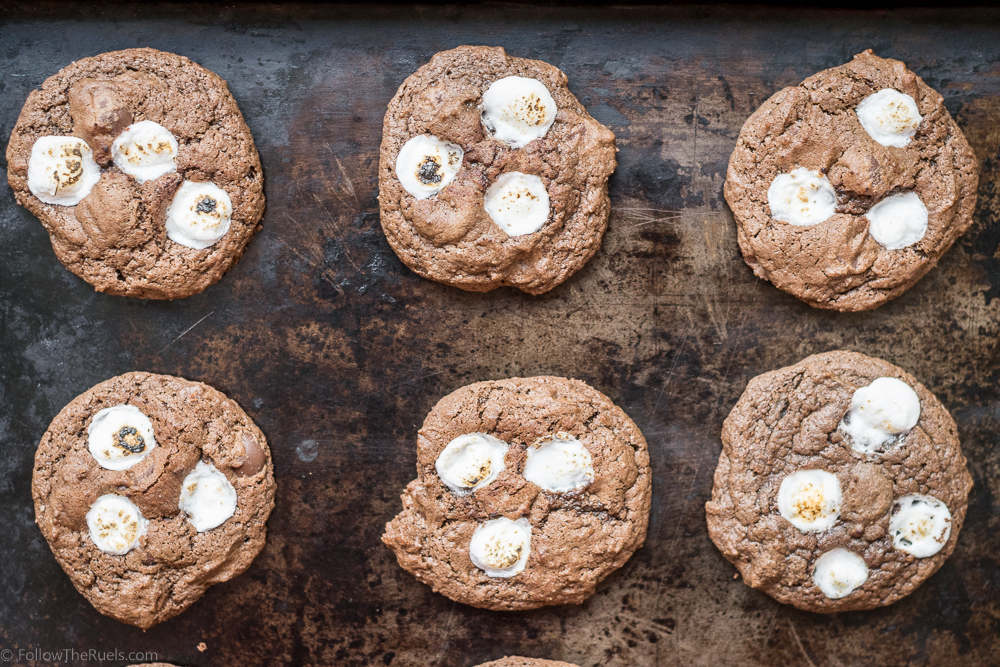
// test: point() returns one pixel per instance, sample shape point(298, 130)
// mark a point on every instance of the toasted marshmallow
point(839, 572)
point(500, 547)
point(470, 462)
point(517, 110)
point(559, 465)
point(145, 150)
point(61, 170)
point(889, 117)
point(518, 203)
point(898, 221)
point(119, 437)
point(425, 165)
point(810, 500)
point(207, 497)
point(115, 524)
point(879, 412)
point(801, 197)
point(199, 215)
point(920, 525)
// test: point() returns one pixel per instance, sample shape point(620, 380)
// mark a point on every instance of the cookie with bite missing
point(141, 168)
point(516, 661)
point(149, 489)
point(492, 173)
point(841, 484)
point(848, 188)
point(529, 492)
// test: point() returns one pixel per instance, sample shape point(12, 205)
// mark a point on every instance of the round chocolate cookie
point(149, 489)
point(492, 173)
point(841, 484)
point(849, 187)
point(139, 165)
point(529, 492)
point(515, 661)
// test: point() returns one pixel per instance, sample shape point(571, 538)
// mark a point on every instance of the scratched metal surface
point(337, 351)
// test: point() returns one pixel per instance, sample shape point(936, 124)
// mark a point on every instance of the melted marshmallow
point(839, 572)
point(518, 203)
point(801, 197)
point(879, 413)
point(920, 525)
point(810, 499)
point(889, 117)
point(518, 110)
point(199, 215)
point(119, 437)
point(207, 497)
point(559, 465)
point(115, 524)
point(898, 221)
point(61, 170)
point(145, 151)
point(500, 547)
point(470, 462)
point(426, 165)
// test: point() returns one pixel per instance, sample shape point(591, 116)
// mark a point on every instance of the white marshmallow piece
point(898, 221)
point(199, 215)
point(517, 110)
point(426, 165)
point(119, 437)
point(920, 525)
point(61, 170)
point(839, 572)
point(518, 203)
point(145, 151)
point(810, 500)
point(801, 197)
point(470, 462)
point(559, 465)
point(500, 547)
point(115, 524)
point(879, 412)
point(889, 117)
point(207, 496)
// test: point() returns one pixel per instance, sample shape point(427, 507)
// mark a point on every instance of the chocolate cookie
point(149, 489)
point(139, 165)
point(849, 187)
point(529, 492)
point(841, 484)
point(492, 173)
point(515, 661)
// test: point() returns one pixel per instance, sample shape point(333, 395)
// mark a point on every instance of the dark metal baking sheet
point(338, 351)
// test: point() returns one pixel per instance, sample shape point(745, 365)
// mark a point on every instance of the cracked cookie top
point(849, 187)
point(841, 484)
point(170, 187)
point(492, 173)
point(514, 543)
point(193, 505)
